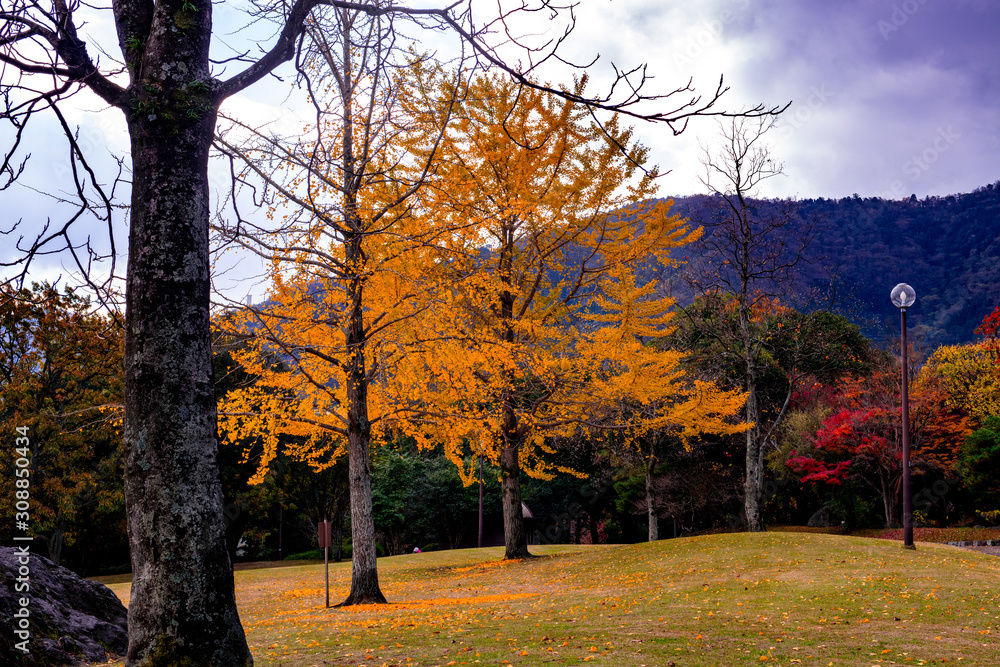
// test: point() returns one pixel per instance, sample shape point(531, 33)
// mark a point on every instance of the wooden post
point(325, 535)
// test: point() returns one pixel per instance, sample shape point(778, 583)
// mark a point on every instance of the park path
point(993, 551)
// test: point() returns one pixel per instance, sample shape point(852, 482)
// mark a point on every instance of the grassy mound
point(736, 599)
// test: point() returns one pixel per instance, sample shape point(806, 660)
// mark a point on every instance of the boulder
point(70, 620)
point(820, 519)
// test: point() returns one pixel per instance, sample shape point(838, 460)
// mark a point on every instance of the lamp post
point(903, 297)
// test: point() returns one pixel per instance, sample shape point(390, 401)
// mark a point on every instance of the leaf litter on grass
point(737, 599)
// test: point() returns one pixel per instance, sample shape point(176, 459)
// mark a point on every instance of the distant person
point(416, 550)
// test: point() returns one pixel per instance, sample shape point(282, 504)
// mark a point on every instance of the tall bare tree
point(161, 79)
point(753, 251)
point(344, 191)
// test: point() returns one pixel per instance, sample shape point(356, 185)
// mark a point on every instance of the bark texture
point(183, 607)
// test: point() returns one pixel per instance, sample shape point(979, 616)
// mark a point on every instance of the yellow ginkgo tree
point(970, 376)
point(547, 303)
point(646, 394)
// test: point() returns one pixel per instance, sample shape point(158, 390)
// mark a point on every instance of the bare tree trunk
point(752, 263)
point(364, 571)
point(754, 481)
point(510, 488)
point(594, 539)
point(887, 504)
point(183, 608)
point(654, 523)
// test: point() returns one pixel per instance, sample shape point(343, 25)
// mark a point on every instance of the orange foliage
point(547, 317)
point(969, 377)
point(940, 426)
point(508, 290)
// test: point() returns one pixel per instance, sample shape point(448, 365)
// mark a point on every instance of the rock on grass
point(71, 621)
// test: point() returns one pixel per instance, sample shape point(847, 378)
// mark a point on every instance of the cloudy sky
point(888, 98)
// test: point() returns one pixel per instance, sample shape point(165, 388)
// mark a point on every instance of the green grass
point(738, 599)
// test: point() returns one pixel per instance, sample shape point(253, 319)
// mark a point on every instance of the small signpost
point(325, 538)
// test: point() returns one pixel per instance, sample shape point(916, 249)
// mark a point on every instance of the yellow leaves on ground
point(707, 600)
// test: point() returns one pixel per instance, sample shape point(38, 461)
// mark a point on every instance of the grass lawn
point(737, 599)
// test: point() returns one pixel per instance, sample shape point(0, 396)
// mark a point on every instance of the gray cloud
point(895, 76)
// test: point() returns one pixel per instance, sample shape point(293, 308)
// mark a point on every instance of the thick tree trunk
point(594, 539)
point(183, 608)
point(515, 543)
point(513, 519)
point(364, 570)
point(654, 522)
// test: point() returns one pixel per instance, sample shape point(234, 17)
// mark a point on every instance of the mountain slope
point(947, 248)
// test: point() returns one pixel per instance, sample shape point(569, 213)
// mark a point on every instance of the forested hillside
point(947, 248)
